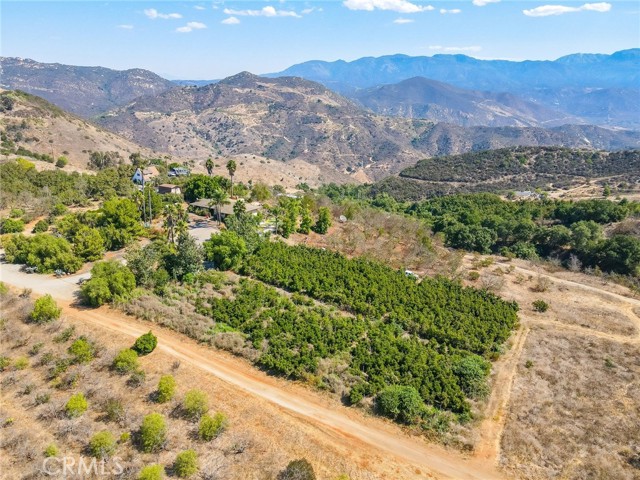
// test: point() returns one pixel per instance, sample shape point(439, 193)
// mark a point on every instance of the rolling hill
point(290, 118)
point(85, 91)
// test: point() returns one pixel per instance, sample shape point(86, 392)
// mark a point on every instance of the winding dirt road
point(348, 427)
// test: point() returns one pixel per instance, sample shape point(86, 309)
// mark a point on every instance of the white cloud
point(152, 13)
point(444, 11)
point(471, 48)
point(199, 7)
point(268, 11)
point(125, 27)
point(548, 10)
point(401, 21)
point(230, 21)
point(482, 3)
point(400, 6)
point(190, 27)
point(307, 11)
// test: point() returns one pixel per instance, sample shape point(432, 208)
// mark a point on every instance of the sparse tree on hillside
point(175, 221)
point(209, 166)
point(231, 167)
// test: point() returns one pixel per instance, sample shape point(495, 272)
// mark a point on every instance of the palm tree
point(175, 221)
point(231, 167)
point(209, 165)
point(218, 198)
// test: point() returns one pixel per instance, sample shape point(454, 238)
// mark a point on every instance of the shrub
point(62, 162)
point(4, 363)
point(298, 470)
point(82, 351)
point(540, 306)
point(137, 378)
point(124, 437)
point(166, 389)
point(40, 227)
point(152, 472)
point(11, 225)
point(102, 444)
point(35, 348)
point(399, 403)
point(473, 276)
point(51, 450)
point(113, 410)
point(195, 404)
point(45, 310)
point(42, 398)
point(76, 405)
point(3, 288)
point(126, 361)
point(153, 433)
point(145, 344)
point(109, 281)
point(210, 427)
point(186, 464)
point(65, 335)
point(21, 363)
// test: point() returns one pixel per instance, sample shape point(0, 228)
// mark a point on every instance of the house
point(166, 188)
point(142, 176)
point(179, 172)
point(252, 208)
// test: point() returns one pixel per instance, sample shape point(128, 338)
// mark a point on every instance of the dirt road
point(348, 427)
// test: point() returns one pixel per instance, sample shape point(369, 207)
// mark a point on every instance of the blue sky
point(214, 39)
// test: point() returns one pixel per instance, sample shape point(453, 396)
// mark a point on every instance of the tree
point(76, 405)
point(166, 389)
point(40, 227)
point(119, 223)
point(472, 372)
point(109, 281)
point(298, 470)
point(620, 254)
point(175, 221)
point(211, 427)
point(226, 250)
point(152, 472)
point(125, 361)
point(102, 444)
point(45, 310)
point(11, 225)
point(219, 198)
point(239, 209)
point(186, 259)
point(102, 160)
point(202, 186)
point(45, 252)
point(136, 160)
point(145, 343)
point(186, 464)
point(400, 402)
point(153, 433)
point(195, 404)
point(260, 192)
point(209, 166)
point(306, 221)
point(324, 221)
point(88, 244)
point(246, 227)
point(231, 168)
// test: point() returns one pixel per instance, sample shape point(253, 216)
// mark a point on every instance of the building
point(142, 176)
point(166, 188)
point(179, 172)
point(252, 208)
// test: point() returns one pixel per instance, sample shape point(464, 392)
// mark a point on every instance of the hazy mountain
point(618, 70)
point(600, 89)
point(32, 124)
point(290, 118)
point(419, 97)
point(86, 91)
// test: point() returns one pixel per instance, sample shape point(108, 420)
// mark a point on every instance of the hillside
point(291, 118)
point(420, 97)
point(85, 91)
point(31, 124)
point(519, 168)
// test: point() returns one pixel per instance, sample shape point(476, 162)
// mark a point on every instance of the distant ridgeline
point(516, 168)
